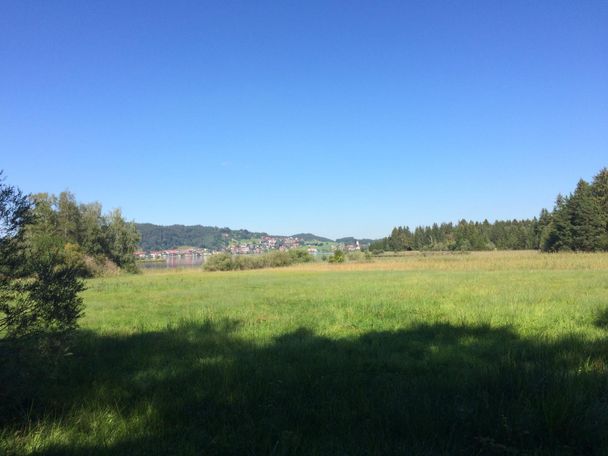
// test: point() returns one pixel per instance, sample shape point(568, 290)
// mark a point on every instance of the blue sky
point(338, 118)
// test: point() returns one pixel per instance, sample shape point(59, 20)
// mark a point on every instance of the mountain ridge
point(160, 237)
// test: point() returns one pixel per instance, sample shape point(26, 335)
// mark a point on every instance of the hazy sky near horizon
point(337, 118)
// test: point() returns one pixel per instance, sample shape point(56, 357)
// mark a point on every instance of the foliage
point(43, 296)
point(122, 239)
point(359, 256)
point(39, 282)
point(465, 235)
point(15, 212)
point(275, 259)
point(39, 300)
point(579, 222)
point(337, 257)
point(157, 237)
point(85, 232)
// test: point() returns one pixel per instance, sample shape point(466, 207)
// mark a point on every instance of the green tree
point(122, 239)
point(93, 240)
point(90, 240)
point(587, 219)
point(68, 218)
point(578, 222)
point(38, 288)
point(44, 212)
point(599, 187)
point(558, 234)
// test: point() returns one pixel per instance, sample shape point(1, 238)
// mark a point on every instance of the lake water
point(194, 261)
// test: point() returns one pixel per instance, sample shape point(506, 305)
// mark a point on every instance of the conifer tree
point(587, 219)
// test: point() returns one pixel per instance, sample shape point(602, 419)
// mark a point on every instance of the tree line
point(578, 222)
point(93, 241)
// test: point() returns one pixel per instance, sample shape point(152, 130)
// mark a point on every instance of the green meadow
point(488, 353)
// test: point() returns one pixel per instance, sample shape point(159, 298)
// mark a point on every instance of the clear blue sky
point(338, 118)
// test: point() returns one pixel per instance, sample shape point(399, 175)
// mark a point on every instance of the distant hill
point(159, 237)
point(352, 240)
point(309, 237)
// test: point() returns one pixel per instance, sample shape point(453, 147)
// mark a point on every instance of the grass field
point(485, 353)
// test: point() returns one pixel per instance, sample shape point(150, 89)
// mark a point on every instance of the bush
point(337, 257)
point(300, 256)
point(39, 302)
point(220, 262)
point(359, 256)
point(41, 296)
point(275, 259)
point(39, 282)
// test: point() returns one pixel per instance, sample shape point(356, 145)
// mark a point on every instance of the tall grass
point(494, 353)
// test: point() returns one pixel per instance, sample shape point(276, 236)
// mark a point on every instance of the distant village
point(253, 247)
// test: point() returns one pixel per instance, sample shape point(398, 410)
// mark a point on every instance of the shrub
point(359, 256)
point(337, 257)
point(275, 259)
point(300, 256)
point(220, 262)
point(39, 302)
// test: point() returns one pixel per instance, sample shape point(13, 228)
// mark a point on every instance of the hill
point(309, 237)
point(352, 240)
point(158, 237)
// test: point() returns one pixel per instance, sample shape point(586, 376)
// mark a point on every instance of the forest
point(578, 222)
point(158, 237)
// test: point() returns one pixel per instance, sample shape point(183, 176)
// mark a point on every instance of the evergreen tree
point(578, 222)
point(599, 187)
point(587, 219)
point(558, 234)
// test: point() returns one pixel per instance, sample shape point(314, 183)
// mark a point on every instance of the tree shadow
point(601, 318)
point(428, 389)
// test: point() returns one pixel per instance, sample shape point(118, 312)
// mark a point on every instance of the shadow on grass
point(601, 318)
point(429, 389)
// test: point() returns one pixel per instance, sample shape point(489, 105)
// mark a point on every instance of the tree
point(92, 242)
point(69, 218)
point(599, 187)
point(122, 239)
point(38, 287)
point(15, 213)
point(587, 218)
point(579, 221)
point(558, 233)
